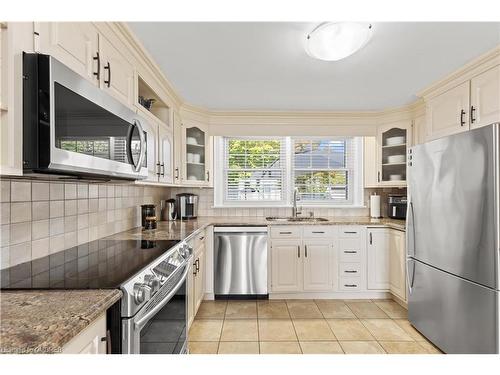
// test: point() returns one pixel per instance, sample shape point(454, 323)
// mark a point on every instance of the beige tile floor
point(305, 327)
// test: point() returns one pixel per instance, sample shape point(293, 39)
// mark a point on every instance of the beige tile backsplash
point(39, 218)
point(206, 204)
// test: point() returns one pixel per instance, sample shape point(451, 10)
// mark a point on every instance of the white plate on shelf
point(192, 178)
point(191, 141)
point(396, 159)
point(395, 177)
point(395, 141)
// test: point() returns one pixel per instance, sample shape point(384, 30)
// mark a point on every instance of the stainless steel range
point(151, 317)
point(154, 306)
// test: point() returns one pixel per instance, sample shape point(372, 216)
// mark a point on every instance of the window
point(323, 169)
point(253, 170)
point(260, 171)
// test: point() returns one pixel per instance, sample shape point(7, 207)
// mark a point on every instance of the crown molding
point(124, 31)
point(464, 73)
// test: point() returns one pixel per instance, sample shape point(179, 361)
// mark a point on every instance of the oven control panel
point(141, 287)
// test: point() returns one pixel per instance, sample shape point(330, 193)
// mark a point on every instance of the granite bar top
point(43, 321)
point(182, 230)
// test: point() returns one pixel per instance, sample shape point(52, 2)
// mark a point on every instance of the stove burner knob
point(142, 292)
point(153, 282)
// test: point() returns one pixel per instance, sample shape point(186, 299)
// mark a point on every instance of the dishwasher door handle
point(240, 230)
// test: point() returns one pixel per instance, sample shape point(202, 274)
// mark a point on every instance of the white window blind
point(254, 169)
point(323, 169)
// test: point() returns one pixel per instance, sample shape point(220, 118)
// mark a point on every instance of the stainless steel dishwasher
point(240, 262)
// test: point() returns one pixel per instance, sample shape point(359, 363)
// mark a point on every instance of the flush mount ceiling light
point(332, 41)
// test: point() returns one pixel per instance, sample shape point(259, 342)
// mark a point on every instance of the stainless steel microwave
point(72, 127)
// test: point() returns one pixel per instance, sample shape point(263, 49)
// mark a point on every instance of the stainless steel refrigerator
point(453, 241)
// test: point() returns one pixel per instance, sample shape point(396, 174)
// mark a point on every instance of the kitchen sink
point(297, 219)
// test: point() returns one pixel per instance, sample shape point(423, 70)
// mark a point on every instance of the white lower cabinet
point(196, 277)
point(397, 263)
point(317, 259)
point(92, 340)
point(286, 265)
point(378, 252)
point(317, 265)
point(386, 255)
point(336, 261)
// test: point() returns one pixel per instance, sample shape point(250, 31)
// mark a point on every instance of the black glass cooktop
point(94, 265)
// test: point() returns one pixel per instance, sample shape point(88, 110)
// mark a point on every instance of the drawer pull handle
point(350, 285)
point(318, 232)
point(285, 232)
point(351, 232)
point(350, 271)
point(350, 252)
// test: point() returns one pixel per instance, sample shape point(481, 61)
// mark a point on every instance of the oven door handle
point(141, 322)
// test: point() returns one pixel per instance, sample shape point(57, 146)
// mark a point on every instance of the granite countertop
point(182, 230)
point(43, 321)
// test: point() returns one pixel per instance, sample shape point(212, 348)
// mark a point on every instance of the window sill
point(302, 206)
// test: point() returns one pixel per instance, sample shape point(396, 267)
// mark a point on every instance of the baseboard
point(331, 295)
point(399, 301)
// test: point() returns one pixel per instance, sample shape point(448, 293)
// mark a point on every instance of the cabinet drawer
point(318, 232)
point(349, 231)
point(350, 269)
point(349, 283)
point(285, 231)
point(350, 255)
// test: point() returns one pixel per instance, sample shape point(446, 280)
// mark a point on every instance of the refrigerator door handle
point(410, 229)
point(408, 281)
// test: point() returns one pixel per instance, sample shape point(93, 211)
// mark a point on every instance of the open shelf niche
point(159, 109)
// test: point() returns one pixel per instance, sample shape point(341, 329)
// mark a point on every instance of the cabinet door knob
point(298, 251)
point(162, 169)
point(472, 110)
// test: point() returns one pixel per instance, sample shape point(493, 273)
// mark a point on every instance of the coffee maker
point(187, 206)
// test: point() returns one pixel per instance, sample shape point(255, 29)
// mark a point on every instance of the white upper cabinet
point(370, 162)
point(318, 267)
point(485, 98)
point(166, 154)
point(392, 142)
point(419, 130)
point(448, 113)
point(117, 74)
point(378, 258)
point(177, 133)
point(195, 142)
point(75, 44)
point(152, 161)
point(83, 49)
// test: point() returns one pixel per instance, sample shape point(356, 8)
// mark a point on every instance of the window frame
point(356, 186)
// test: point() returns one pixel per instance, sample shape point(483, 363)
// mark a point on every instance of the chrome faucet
point(295, 211)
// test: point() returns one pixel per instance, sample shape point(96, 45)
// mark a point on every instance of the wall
point(40, 217)
point(206, 203)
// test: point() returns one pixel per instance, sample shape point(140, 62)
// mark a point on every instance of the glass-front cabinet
point(196, 154)
point(393, 141)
